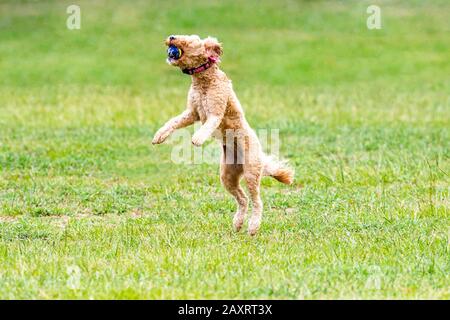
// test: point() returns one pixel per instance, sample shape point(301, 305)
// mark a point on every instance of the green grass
point(364, 117)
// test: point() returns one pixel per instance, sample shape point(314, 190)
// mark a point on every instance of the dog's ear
point(213, 47)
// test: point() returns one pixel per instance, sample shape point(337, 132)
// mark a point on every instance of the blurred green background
point(314, 43)
point(363, 117)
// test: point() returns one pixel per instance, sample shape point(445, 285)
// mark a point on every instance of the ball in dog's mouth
point(173, 53)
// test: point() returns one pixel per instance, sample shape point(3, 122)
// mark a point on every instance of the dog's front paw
point(253, 225)
point(160, 136)
point(198, 139)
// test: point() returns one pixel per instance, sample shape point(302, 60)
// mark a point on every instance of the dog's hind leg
point(230, 176)
point(252, 175)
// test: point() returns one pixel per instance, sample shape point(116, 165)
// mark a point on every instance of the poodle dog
point(212, 101)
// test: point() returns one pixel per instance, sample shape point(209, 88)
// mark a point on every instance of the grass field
point(90, 209)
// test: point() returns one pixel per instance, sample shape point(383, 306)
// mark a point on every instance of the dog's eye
point(174, 52)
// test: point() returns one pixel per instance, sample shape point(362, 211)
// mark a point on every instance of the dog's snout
point(172, 37)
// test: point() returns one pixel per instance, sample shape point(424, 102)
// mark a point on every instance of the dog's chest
point(200, 104)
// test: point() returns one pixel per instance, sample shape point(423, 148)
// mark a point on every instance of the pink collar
point(203, 67)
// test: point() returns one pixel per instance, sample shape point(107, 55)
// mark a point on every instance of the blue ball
point(174, 52)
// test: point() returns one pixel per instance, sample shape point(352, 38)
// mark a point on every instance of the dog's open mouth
point(173, 53)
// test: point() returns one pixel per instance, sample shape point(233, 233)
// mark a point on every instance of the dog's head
point(191, 51)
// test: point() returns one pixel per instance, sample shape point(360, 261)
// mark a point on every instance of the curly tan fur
point(212, 101)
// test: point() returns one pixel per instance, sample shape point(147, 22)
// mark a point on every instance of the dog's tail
point(278, 170)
